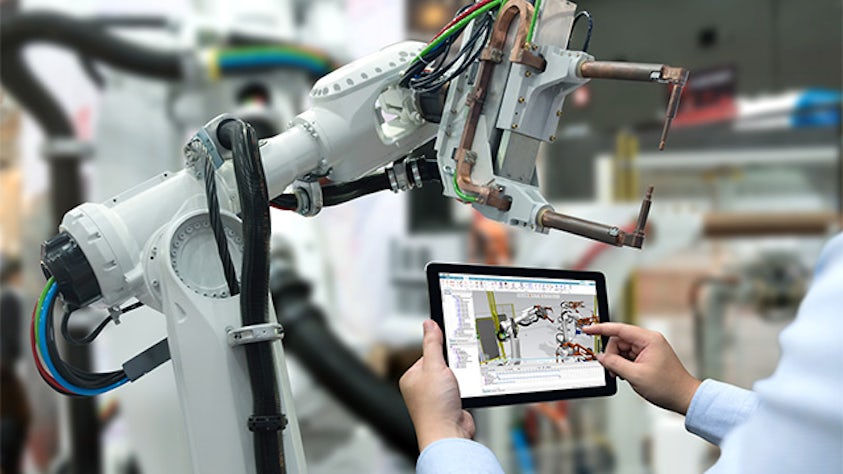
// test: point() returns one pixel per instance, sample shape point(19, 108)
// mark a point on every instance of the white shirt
point(790, 423)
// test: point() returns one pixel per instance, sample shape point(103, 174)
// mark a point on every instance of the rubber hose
point(371, 398)
point(334, 194)
point(254, 299)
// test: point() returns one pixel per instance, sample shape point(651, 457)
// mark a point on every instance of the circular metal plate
point(194, 256)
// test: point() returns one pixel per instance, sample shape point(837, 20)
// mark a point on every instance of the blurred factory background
point(747, 191)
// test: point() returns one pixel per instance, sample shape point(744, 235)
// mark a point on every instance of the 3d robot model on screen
point(569, 325)
point(508, 330)
point(193, 244)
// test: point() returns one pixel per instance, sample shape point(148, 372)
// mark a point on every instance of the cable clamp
point(309, 199)
point(266, 423)
point(494, 55)
point(255, 333)
point(114, 313)
point(416, 170)
point(62, 148)
point(399, 180)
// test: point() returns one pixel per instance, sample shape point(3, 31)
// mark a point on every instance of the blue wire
point(277, 60)
point(42, 329)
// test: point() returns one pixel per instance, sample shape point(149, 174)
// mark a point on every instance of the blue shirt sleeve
point(797, 425)
point(717, 408)
point(457, 456)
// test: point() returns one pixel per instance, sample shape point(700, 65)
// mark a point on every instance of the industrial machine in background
point(193, 244)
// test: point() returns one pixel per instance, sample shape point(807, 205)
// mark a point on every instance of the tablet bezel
point(434, 269)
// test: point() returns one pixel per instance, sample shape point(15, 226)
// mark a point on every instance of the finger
point(612, 347)
point(467, 424)
point(432, 345)
point(618, 365)
point(627, 332)
point(408, 375)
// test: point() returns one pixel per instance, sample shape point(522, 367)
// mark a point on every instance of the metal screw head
point(520, 100)
point(553, 138)
point(448, 169)
point(528, 74)
point(154, 283)
point(558, 113)
point(514, 126)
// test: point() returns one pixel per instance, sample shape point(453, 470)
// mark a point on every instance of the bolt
point(558, 113)
point(553, 138)
point(528, 73)
point(514, 126)
point(155, 283)
point(520, 100)
point(448, 169)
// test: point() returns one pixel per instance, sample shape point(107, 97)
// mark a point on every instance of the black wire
point(218, 228)
point(467, 55)
point(335, 194)
point(254, 302)
point(587, 33)
point(415, 78)
point(65, 333)
point(75, 376)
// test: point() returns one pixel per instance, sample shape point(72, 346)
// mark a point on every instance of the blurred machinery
point(772, 286)
point(364, 116)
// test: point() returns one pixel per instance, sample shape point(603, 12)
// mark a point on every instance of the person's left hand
point(432, 395)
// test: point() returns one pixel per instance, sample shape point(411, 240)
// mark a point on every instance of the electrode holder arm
point(661, 73)
point(612, 235)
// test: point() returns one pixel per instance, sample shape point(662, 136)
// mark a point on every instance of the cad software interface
point(509, 335)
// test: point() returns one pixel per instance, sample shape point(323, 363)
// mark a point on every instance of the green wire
point(460, 193)
point(38, 310)
point(457, 27)
point(533, 21)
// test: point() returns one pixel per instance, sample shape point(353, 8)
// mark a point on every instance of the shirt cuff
point(458, 456)
point(717, 408)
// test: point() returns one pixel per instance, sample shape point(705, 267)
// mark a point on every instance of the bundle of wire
point(431, 69)
point(60, 375)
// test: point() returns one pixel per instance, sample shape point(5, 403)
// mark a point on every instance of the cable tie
point(267, 423)
point(66, 148)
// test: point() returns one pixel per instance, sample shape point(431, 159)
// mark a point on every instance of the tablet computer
point(514, 335)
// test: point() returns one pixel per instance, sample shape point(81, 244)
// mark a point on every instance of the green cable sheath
point(533, 21)
point(457, 27)
point(460, 193)
point(38, 310)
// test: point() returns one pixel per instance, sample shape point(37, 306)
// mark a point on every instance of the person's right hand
point(646, 360)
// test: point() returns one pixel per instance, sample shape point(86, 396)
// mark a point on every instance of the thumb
point(432, 345)
point(618, 365)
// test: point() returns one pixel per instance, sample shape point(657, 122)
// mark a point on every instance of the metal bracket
point(308, 197)
point(255, 333)
point(63, 148)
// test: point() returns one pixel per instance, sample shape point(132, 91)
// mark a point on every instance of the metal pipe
point(611, 235)
point(621, 70)
point(646, 73)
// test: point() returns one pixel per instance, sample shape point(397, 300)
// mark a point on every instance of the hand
point(646, 360)
point(432, 396)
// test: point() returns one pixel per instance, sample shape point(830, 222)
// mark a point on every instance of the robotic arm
point(505, 92)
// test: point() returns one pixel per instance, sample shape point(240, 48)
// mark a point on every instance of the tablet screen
point(516, 334)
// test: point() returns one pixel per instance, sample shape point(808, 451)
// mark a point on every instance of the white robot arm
point(155, 242)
